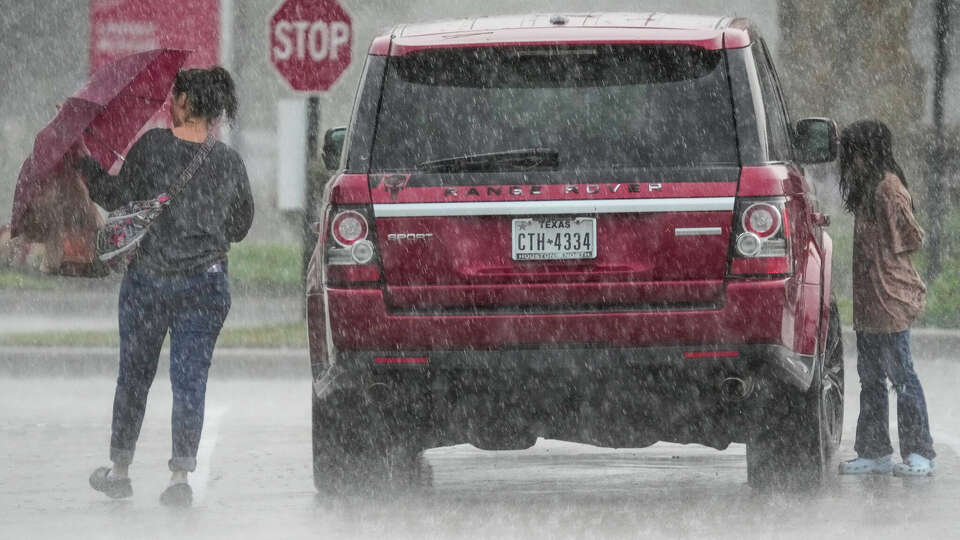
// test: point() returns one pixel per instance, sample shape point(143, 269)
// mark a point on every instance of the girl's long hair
point(872, 141)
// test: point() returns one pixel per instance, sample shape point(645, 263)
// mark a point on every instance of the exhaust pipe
point(379, 393)
point(735, 389)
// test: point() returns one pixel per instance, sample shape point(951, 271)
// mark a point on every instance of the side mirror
point(333, 146)
point(817, 140)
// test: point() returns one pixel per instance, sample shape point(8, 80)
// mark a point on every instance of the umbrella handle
point(101, 141)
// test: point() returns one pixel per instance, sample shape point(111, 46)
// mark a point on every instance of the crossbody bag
point(120, 236)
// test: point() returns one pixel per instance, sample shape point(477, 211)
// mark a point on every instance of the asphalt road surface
point(254, 478)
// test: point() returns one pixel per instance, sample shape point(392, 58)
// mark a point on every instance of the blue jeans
point(192, 308)
point(881, 357)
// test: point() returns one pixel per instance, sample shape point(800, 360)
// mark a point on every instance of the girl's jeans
point(881, 357)
point(193, 309)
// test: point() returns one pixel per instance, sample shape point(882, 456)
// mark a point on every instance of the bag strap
point(192, 168)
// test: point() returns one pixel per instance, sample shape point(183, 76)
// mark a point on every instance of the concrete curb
point(927, 343)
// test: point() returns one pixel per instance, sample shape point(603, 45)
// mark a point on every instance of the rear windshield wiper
point(508, 160)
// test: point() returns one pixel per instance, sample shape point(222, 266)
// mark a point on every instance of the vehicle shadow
point(564, 489)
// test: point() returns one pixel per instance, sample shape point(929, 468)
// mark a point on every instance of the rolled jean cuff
point(121, 456)
point(187, 464)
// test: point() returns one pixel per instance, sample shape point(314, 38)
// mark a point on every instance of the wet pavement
point(254, 478)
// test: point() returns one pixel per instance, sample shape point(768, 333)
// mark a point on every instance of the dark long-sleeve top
point(197, 227)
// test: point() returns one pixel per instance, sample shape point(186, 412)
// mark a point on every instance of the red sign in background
point(310, 43)
point(122, 27)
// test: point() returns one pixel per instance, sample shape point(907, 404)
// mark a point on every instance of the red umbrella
point(107, 113)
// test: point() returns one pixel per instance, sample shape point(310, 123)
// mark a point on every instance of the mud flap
point(332, 380)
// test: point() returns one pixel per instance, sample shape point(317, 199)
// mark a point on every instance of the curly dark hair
point(872, 141)
point(210, 92)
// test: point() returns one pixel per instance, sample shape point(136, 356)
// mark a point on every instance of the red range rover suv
point(594, 228)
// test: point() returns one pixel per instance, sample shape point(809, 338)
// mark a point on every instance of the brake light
point(761, 219)
point(348, 227)
point(711, 354)
point(401, 360)
point(351, 255)
point(761, 239)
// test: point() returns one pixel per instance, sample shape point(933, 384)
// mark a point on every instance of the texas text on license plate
point(546, 239)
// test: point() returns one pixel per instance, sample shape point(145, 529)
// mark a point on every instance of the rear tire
point(357, 447)
point(833, 377)
point(794, 447)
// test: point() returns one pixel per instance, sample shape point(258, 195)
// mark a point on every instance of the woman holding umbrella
point(177, 282)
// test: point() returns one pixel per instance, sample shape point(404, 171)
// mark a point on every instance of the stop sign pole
point(310, 47)
point(309, 196)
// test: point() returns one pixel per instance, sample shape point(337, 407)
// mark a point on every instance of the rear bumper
point(772, 362)
point(752, 312)
point(755, 320)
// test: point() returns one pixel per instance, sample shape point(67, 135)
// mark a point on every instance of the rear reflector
point(763, 265)
point(339, 275)
point(711, 354)
point(400, 360)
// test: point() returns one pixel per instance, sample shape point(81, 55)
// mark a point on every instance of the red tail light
point(348, 227)
point(762, 219)
point(711, 354)
point(351, 254)
point(761, 238)
point(401, 360)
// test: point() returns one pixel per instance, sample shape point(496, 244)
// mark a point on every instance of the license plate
point(550, 239)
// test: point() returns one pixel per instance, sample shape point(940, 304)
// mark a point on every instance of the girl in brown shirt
point(888, 294)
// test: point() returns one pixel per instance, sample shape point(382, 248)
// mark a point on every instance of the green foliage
point(943, 297)
point(12, 279)
point(841, 231)
point(845, 306)
point(88, 338)
point(252, 266)
point(943, 293)
point(291, 335)
point(266, 265)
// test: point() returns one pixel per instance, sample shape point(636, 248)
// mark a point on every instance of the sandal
point(914, 465)
point(862, 465)
point(115, 488)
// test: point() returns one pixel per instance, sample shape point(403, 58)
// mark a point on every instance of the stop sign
point(310, 43)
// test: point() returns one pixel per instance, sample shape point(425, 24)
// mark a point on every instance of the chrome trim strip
point(529, 208)
point(697, 231)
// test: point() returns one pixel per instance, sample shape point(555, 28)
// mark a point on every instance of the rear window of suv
point(556, 108)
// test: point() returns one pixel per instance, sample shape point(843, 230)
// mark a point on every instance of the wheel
point(795, 444)
point(832, 388)
point(357, 447)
